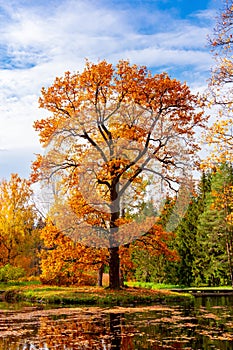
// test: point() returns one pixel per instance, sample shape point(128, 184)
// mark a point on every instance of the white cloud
point(167, 57)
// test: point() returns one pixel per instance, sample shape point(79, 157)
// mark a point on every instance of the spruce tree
point(183, 272)
point(213, 261)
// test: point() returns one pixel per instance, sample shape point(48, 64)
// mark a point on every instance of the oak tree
point(110, 129)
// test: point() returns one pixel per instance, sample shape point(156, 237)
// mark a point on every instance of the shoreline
point(98, 296)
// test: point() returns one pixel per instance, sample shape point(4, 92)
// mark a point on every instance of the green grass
point(208, 288)
point(159, 286)
point(4, 285)
point(151, 285)
point(87, 295)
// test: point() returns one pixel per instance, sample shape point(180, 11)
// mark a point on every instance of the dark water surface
point(208, 324)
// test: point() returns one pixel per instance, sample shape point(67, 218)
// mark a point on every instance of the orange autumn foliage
point(65, 262)
point(156, 241)
point(224, 201)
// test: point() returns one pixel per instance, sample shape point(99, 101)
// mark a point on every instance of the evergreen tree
point(182, 272)
point(151, 267)
point(213, 263)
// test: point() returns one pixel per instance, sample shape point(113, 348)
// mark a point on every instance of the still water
point(206, 324)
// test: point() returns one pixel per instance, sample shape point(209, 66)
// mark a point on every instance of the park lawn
point(87, 295)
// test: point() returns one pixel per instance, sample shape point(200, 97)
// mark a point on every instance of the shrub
point(11, 273)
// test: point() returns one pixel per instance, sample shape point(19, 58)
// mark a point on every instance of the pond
point(206, 324)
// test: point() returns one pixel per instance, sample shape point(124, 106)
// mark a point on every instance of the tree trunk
point(114, 268)
point(114, 259)
point(229, 256)
point(100, 275)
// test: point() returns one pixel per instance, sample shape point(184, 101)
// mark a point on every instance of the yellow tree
point(17, 219)
point(223, 202)
point(221, 43)
point(220, 140)
point(110, 129)
point(220, 135)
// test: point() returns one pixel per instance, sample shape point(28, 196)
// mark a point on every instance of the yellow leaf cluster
point(17, 221)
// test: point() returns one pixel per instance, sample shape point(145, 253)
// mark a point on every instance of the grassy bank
point(159, 286)
point(151, 285)
point(87, 295)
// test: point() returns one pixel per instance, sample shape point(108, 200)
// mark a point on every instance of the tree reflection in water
point(115, 330)
point(207, 325)
point(91, 333)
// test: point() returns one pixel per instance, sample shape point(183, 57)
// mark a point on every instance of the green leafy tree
point(182, 272)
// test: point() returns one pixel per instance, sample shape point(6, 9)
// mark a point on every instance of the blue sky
point(42, 39)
